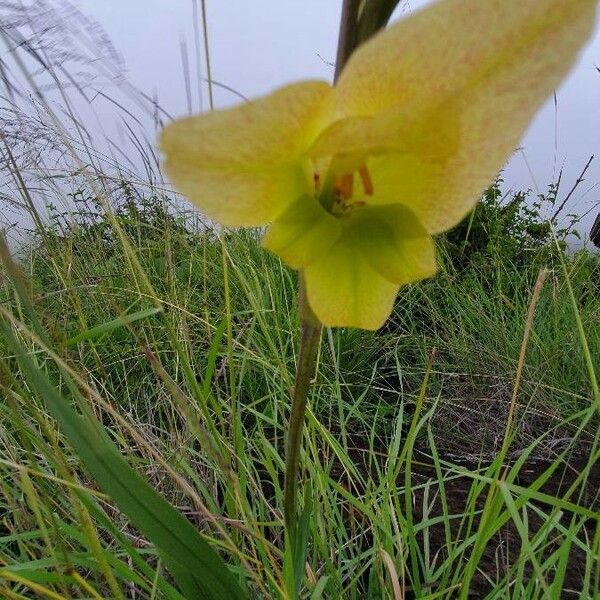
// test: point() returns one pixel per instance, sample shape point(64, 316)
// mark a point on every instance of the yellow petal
point(302, 233)
point(344, 291)
point(393, 242)
point(244, 166)
point(449, 92)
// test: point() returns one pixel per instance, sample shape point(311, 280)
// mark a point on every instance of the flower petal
point(244, 166)
point(302, 233)
point(344, 291)
point(450, 92)
point(393, 242)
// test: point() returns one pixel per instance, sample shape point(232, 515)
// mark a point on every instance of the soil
point(504, 548)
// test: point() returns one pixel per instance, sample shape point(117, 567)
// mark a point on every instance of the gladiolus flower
point(354, 179)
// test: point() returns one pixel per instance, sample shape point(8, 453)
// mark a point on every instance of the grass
point(452, 454)
point(402, 431)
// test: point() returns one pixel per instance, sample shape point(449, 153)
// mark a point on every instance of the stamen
point(367, 182)
point(357, 204)
point(344, 186)
point(317, 181)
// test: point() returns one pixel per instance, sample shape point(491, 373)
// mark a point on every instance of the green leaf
point(211, 358)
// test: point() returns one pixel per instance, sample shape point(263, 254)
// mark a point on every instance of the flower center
point(338, 197)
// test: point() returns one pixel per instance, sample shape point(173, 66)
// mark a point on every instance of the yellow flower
point(355, 178)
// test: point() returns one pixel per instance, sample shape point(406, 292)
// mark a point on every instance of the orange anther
point(367, 182)
point(317, 181)
point(344, 186)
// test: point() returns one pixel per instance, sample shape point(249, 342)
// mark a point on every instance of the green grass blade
point(104, 328)
point(200, 571)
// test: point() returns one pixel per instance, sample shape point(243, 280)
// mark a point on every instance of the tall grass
point(162, 385)
point(181, 341)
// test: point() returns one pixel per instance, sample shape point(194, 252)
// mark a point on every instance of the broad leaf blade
point(200, 571)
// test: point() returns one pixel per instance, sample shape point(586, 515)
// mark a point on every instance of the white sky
point(258, 45)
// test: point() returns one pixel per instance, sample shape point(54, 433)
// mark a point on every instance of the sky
point(258, 45)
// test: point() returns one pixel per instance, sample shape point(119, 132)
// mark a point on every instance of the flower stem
point(310, 325)
point(347, 40)
point(305, 370)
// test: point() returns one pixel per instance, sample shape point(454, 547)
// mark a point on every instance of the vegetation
point(135, 308)
point(455, 449)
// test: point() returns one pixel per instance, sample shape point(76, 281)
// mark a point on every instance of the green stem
point(311, 327)
point(305, 370)
point(348, 37)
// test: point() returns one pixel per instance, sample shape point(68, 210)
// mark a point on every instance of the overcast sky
point(258, 45)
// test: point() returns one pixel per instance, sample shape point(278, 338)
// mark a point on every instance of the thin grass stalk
point(490, 508)
point(209, 80)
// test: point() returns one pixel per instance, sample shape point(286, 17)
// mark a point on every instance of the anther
point(344, 186)
point(367, 182)
point(317, 181)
